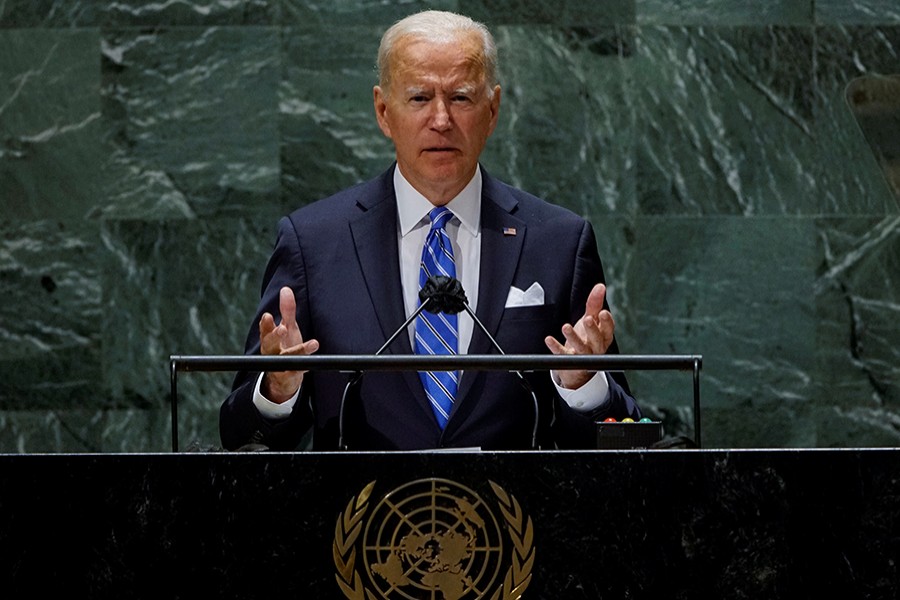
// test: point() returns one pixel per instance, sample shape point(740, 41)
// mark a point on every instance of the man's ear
point(495, 109)
point(380, 101)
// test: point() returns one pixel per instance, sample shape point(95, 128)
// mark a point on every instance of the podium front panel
point(551, 525)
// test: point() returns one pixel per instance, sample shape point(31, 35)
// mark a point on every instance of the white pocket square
point(533, 296)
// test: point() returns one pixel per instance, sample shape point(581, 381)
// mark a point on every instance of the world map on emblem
point(433, 539)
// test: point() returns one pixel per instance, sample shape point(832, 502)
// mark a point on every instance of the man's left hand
point(592, 334)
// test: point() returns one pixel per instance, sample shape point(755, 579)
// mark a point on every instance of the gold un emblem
point(433, 539)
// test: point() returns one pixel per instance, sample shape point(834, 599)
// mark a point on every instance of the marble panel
point(190, 12)
point(329, 137)
point(148, 148)
point(50, 13)
point(50, 317)
point(357, 12)
point(50, 149)
point(178, 287)
point(616, 241)
point(844, 51)
point(725, 116)
point(566, 126)
point(858, 303)
point(190, 115)
point(200, 395)
point(859, 12)
point(568, 12)
point(851, 181)
point(759, 422)
point(665, 396)
point(732, 13)
point(94, 13)
point(737, 291)
point(76, 430)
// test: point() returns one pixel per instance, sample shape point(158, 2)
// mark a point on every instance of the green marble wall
point(147, 149)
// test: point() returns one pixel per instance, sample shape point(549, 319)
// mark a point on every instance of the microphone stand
point(357, 376)
point(450, 298)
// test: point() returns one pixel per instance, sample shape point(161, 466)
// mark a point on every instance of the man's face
point(438, 113)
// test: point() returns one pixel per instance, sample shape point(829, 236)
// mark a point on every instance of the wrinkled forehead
point(460, 55)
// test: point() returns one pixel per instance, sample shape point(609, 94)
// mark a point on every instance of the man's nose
point(440, 119)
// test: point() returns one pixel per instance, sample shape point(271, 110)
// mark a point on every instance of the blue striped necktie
point(438, 333)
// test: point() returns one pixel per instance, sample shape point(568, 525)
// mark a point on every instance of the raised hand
point(592, 334)
point(283, 339)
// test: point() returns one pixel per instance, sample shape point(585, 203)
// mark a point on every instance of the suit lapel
point(375, 239)
point(374, 234)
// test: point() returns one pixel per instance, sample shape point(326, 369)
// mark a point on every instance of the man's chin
point(448, 174)
point(440, 180)
point(439, 159)
point(446, 162)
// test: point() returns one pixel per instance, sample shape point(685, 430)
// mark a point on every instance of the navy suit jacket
point(340, 256)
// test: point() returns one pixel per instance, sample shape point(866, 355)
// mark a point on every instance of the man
point(346, 272)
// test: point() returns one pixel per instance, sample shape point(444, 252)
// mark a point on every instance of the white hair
point(439, 27)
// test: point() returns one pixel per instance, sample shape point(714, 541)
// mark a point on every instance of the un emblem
point(433, 539)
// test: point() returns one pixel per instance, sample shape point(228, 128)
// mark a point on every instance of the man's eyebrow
point(466, 90)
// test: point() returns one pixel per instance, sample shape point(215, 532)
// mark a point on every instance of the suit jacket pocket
point(543, 312)
point(523, 328)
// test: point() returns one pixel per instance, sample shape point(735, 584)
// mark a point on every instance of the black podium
point(552, 525)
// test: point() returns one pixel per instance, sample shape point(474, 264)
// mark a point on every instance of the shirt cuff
point(269, 409)
point(589, 397)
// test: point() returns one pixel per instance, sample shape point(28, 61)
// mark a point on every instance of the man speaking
point(347, 270)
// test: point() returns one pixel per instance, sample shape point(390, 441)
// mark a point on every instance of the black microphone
point(441, 294)
point(446, 294)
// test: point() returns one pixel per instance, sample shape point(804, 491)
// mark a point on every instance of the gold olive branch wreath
point(521, 532)
point(349, 526)
point(346, 530)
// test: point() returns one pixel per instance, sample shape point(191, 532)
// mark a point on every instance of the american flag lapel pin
point(509, 231)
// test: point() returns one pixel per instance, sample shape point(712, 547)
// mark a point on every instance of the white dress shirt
point(464, 231)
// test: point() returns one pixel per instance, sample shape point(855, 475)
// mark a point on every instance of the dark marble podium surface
point(607, 524)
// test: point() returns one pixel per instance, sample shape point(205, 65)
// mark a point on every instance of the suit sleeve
point(240, 423)
point(572, 428)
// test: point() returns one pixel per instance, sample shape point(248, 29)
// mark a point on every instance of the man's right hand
point(283, 339)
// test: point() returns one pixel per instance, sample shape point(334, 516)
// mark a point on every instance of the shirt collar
point(413, 207)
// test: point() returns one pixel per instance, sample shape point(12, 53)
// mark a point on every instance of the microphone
point(441, 294)
point(445, 294)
